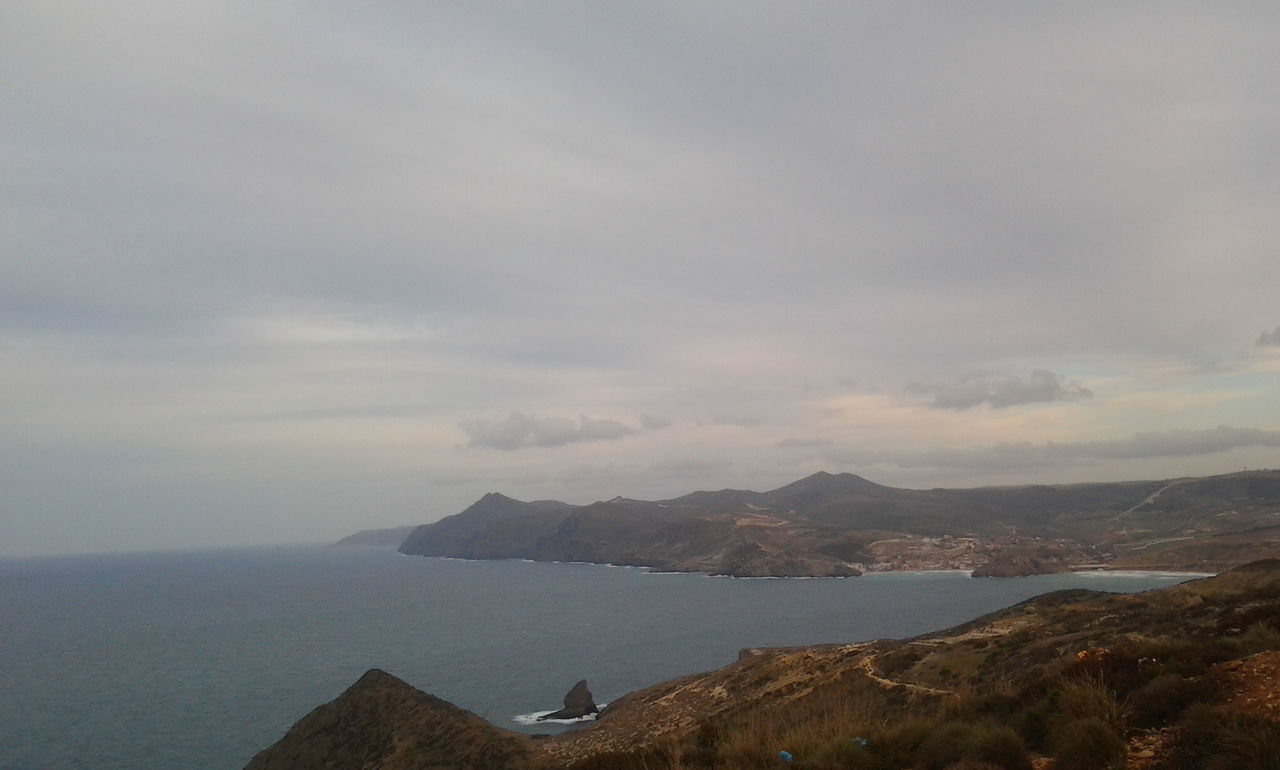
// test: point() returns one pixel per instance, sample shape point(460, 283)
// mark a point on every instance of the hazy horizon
point(279, 274)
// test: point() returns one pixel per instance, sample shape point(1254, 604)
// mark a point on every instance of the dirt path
point(867, 665)
point(1149, 499)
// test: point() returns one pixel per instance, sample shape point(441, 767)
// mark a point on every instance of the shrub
point(1248, 742)
point(846, 754)
point(1161, 700)
point(1090, 699)
point(982, 743)
point(906, 737)
point(1260, 637)
point(998, 745)
point(1210, 738)
point(945, 747)
point(1087, 744)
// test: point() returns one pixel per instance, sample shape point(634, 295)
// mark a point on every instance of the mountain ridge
point(831, 525)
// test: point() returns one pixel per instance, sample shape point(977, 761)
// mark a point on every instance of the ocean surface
point(200, 659)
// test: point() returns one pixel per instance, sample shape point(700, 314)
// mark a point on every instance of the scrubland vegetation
point(1143, 702)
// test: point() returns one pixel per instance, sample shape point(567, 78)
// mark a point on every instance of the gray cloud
point(1177, 443)
point(1270, 338)
point(653, 422)
point(518, 430)
point(688, 467)
point(1003, 390)
point(455, 481)
point(802, 443)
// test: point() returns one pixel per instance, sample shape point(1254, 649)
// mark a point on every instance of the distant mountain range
point(842, 524)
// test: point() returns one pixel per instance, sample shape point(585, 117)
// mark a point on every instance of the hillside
point(841, 524)
point(1183, 677)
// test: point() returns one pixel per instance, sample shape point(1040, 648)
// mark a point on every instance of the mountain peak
point(825, 480)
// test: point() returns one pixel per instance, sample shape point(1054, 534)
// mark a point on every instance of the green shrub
point(1090, 699)
point(1260, 637)
point(1160, 701)
point(846, 754)
point(945, 747)
point(1248, 742)
point(905, 738)
point(984, 743)
point(998, 745)
point(1210, 738)
point(1087, 744)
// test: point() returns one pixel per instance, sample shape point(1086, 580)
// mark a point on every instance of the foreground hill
point(1183, 677)
point(839, 525)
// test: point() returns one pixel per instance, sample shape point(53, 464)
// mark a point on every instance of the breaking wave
point(533, 719)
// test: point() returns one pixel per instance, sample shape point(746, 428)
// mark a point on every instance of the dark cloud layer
point(1270, 338)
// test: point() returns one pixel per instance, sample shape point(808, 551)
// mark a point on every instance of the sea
point(202, 658)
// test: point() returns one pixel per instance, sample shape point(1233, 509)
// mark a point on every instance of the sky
point(276, 272)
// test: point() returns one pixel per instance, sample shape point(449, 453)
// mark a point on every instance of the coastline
point(1085, 570)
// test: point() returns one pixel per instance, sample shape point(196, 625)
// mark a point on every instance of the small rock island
point(578, 703)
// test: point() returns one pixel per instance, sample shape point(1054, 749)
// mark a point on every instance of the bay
point(200, 659)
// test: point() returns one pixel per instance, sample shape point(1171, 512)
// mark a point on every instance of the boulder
point(577, 703)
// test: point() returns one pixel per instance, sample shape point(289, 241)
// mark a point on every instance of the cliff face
point(827, 525)
point(383, 723)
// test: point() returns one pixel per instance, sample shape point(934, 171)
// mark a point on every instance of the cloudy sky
point(275, 272)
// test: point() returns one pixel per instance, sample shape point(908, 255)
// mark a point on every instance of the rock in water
point(577, 704)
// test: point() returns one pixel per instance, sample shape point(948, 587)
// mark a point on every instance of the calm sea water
point(199, 659)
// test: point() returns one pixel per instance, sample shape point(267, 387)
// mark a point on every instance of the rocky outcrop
point(751, 559)
point(577, 704)
point(1014, 562)
point(1015, 566)
point(382, 722)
